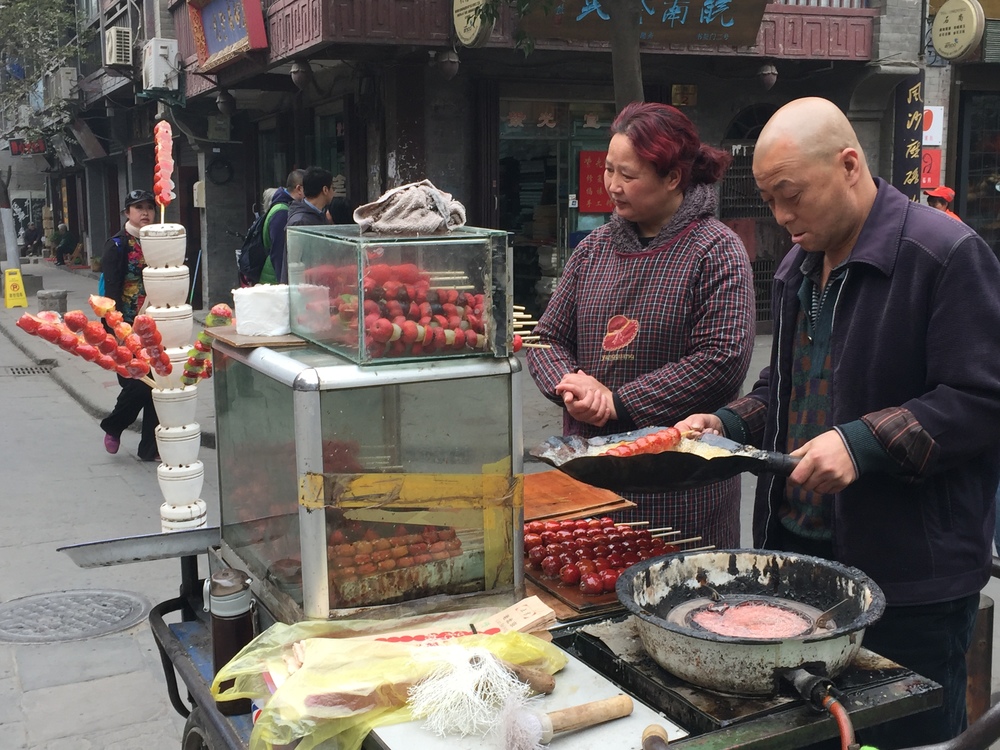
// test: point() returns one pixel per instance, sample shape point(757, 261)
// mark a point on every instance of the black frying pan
point(656, 472)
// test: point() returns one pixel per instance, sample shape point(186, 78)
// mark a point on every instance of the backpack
point(256, 248)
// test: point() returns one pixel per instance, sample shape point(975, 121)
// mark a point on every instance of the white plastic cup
point(175, 407)
point(179, 446)
point(181, 485)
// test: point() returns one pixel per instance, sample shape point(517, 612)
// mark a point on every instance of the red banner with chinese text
point(592, 195)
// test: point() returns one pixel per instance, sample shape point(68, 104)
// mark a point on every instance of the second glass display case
point(345, 488)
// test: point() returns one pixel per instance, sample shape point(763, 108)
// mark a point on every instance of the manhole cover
point(69, 615)
point(19, 371)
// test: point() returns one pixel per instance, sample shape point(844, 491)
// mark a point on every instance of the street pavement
point(60, 487)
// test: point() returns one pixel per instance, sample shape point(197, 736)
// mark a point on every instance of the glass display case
point(383, 489)
point(372, 297)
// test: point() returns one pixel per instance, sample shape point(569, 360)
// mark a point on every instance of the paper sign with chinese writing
point(933, 125)
point(661, 21)
point(930, 168)
point(593, 197)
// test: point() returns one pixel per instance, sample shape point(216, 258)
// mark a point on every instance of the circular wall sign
point(470, 30)
point(958, 28)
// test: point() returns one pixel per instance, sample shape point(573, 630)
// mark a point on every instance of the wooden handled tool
point(525, 729)
point(539, 681)
point(654, 737)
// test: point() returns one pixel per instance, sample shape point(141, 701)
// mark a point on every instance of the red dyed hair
point(667, 139)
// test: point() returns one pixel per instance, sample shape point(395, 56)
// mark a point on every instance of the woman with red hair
point(653, 318)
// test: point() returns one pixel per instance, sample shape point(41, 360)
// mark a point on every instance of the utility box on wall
point(159, 64)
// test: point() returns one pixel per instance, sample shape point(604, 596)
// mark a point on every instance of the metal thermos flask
point(229, 600)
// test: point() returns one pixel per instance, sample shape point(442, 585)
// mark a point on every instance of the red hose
point(844, 725)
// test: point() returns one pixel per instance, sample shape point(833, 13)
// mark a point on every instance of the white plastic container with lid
point(178, 358)
point(179, 446)
point(163, 244)
point(166, 286)
point(175, 406)
point(189, 512)
point(181, 485)
point(175, 324)
point(194, 523)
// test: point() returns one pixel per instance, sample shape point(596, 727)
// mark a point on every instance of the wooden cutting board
point(572, 596)
point(552, 495)
point(228, 334)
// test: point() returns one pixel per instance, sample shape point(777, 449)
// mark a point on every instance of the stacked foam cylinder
point(178, 436)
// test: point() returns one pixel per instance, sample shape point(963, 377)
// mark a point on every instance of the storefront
point(551, 188)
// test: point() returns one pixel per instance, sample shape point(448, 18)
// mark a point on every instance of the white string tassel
point(465, 692)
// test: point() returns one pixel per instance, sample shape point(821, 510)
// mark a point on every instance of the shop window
point(271, 159)
point(330, 148)
point(540, 187)
point(978, 188)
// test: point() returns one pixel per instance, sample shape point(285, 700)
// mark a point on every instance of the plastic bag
point(354, 675)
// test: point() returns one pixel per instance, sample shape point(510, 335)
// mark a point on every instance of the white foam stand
point(180, 484)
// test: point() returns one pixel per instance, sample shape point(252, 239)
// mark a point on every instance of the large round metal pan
point(656, 472)
point(651, 590)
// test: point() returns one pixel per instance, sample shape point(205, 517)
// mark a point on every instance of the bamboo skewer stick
point(665, 528)
point(666, 533)
point(536, 346)
point(149, 381)
point(636, 523)
point(519, 308)
point(685, 541)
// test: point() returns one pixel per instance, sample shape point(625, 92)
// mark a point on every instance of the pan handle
point(781, 463)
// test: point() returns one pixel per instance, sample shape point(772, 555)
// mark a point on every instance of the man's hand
point(586, 398)
point(826, 466)
point(700, 423)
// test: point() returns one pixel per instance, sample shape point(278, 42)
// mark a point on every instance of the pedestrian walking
point(884, 382)
point(122, 264)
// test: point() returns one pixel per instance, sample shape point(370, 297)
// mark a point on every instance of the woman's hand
point(586, 398)
point(700, 423)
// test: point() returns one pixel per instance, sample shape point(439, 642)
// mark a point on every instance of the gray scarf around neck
point(699, 201)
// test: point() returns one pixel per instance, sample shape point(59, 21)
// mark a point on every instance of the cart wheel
point(195, 735)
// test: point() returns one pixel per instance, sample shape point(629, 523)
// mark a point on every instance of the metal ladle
point(717, 605)
point(824, 620)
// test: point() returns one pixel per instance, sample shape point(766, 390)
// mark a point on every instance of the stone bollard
point(52, 299)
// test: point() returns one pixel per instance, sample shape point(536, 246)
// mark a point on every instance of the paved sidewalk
point(94, 388)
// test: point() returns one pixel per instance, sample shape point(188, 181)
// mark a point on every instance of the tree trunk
point(7, 224)
point(626, 66)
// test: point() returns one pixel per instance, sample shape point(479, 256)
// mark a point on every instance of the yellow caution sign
point(13, 289)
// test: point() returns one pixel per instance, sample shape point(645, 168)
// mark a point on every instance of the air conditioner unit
point(59, 84)
point(118, 47)
point(159, 70)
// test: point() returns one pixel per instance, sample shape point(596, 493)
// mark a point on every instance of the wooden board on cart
point(552, 495)
point(578, 603)
point(228, 335)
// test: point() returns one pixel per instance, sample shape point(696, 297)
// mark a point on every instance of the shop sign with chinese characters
point(958, 28)
point(21, 147)
point(223, 30)
point(930, 168)
point(593, 198)
point(908, 135)
point(729, 22)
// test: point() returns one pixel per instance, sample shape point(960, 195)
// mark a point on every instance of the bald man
point(884, 380)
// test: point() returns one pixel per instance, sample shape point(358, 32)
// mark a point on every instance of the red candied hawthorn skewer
point(163, 185)
point(656, 442)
